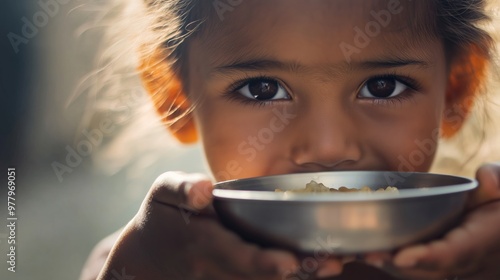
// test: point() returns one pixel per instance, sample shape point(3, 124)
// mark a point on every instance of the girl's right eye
point(263, 89)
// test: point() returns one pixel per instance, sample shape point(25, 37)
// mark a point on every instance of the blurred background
point(44, 54)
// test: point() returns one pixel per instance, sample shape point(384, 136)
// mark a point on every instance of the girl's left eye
point(263, 90)
point(386, 87)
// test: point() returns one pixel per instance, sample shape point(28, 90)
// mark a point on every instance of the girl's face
point(289, 86)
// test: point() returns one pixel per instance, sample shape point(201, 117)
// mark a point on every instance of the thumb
point(178, 189)
point(488, 190)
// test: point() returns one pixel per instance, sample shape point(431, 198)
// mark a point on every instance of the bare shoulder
point(98, 256)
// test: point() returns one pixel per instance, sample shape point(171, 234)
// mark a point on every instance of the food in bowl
point(315, 187)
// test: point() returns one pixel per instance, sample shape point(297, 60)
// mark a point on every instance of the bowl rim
point(228, 194)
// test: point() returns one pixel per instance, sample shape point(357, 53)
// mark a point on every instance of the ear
point(169, 99)
point(467, 75)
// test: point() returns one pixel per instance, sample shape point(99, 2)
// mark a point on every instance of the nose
point(327, 139)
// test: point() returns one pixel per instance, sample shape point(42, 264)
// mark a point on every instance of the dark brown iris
point(381, 87)
point(263, 89)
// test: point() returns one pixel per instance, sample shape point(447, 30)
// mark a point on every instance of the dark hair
point(456, 22)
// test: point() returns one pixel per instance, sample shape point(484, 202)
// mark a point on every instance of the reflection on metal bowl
point(342, 223)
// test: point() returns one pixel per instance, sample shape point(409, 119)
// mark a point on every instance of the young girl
point(283, 86)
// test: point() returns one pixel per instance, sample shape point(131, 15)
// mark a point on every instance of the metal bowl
point(426, 206)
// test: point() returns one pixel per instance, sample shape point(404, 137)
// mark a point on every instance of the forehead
point(317, 31)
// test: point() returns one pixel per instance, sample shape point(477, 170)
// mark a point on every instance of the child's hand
point(470, 251)
point(167, 241)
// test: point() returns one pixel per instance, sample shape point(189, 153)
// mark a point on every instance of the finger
point(416, 273)
point(409, 257)
point(462, 249)
point(442, 257)
point(251, 260)
point(488, 190)
point(321, 264)
point(348, 259)
point(209, 248)
point(207, 270)
point(256, 263)
point(200, 194)
point(230, 251)
point(329, 268)
point(488, 270)
point(377, 259)
point(275, 262)
point(192, 191)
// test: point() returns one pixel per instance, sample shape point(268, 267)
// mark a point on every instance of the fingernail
point(409, 257)
point(376, 263)
point(280, 262)
point(197, 196)
point(348, 259)
point(328, 271)
point(405, 263)
point(288, 269)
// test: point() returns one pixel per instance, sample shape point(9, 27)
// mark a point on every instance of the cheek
point(415, 152)
point(239, 144)
point(409, 142)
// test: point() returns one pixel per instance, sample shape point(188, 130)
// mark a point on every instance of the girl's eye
point(386, 87)
point(263, 90)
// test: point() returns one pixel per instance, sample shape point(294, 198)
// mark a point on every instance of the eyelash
point(232, 95)
point(411, 83)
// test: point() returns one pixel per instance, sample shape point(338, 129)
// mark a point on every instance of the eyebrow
point(391, 63)
point(293, 66)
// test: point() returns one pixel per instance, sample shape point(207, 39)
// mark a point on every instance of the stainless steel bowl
point(342, 223)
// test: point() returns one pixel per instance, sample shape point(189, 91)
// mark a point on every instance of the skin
point(330, 126)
